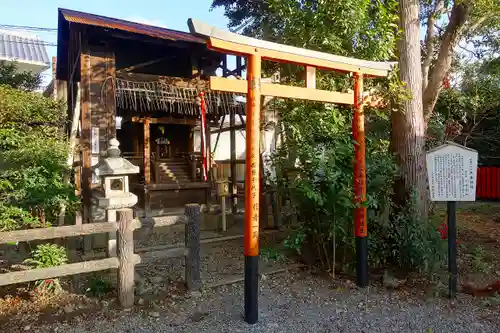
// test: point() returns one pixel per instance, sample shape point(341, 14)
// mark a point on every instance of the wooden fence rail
point(488, 183)
point(59, 271)
point(126, 260)
point(57, 232)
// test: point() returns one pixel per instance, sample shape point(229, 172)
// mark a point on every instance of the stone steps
point(172, 171)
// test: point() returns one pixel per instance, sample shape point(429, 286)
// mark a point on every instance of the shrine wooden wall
point(97, 112)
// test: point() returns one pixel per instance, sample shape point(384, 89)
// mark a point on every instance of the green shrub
point(479, 262)
point(314, 170)
point(33, 153)
point(11, 75)
point(407, 242)
point(98, 286)
point(271, 254)
point(47, 255)
point(12, 218)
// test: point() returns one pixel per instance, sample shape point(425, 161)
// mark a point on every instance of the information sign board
point(452, 173)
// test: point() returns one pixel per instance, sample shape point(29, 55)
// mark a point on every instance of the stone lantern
point(113, 171)
point(114, 192)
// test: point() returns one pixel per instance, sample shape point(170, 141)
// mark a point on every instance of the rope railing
point(159, 96)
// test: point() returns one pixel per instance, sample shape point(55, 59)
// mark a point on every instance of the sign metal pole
point(452, 248)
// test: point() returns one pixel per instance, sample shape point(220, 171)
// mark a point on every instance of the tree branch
point(440, 29)
point(429, 40)
point(478, 23)
point(458, 18)
point(472, 52)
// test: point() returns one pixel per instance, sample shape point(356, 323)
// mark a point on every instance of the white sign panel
point(118, 122)
point(452, 173)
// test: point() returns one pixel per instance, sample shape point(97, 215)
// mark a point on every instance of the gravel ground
point(218, 262)
point(294, 302)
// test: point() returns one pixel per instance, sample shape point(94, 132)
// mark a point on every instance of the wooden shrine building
point(142, 85)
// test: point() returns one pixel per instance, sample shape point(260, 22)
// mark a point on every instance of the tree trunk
point(408, 125)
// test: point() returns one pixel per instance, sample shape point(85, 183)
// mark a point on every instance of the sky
point(172, 14)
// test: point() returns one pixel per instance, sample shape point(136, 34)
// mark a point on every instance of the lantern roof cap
point(111, 163)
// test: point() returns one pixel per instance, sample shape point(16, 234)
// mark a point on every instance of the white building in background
point(221, 142)
point(29, 53)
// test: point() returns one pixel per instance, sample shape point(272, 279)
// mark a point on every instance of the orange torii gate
point(257, 50)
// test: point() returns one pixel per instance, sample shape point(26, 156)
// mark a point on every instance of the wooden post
point(210, 177)
point(234, 187)
point(111, 215)
point(55, 82)
point(203, 135)
point(223, 212)
point(192, 155)
point(147, 152)
point(360, 226)
point(310, 77)
point(85, 137)
point(72, 244)
point(252, 171)
point(224, 66)
point(209, 153)
point(232, 124)
point(147, 202)
point(193, 168)
point(110, 100)
point(78, 173)
point(192, 239)
point(86, 125)
point(147, 166)
point(276, 210)
point(126, 268)
point(263, 206)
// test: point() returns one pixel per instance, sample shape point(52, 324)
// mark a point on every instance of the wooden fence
point(488, 183)
point(126, 258)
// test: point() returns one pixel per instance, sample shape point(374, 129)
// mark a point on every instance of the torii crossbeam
point(257, 50)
